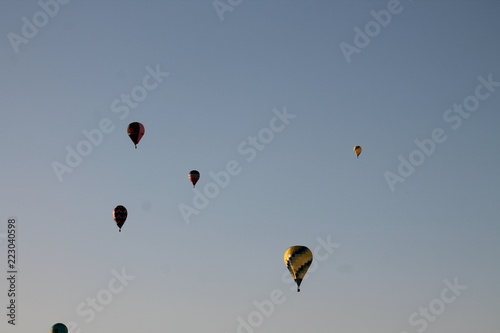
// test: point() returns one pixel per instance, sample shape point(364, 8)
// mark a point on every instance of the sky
point(267, 100)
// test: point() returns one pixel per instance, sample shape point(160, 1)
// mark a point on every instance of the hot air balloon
point(357, 150)
point(298, 259)
point(135, 132)
point(120, 215)
point(194, 176)
point(59, 328)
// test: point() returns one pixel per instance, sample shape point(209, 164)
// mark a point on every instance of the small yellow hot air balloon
point(357, 150)
point(298, 259)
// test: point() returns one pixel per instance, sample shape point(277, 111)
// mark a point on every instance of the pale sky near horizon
point(267, 100)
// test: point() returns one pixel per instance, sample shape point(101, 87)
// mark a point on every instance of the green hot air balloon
point(59, 328)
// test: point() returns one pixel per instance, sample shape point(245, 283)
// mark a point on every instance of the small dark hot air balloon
point(59, 328)
point(135, 132)
point(298, 259)
point(120, 215)
point(194, 176)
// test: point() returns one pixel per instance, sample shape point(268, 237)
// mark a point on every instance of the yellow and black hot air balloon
point(298, 259)
point(357, 150)
point(135, 132)
point(59, 328)
point(120, 215)
point(194, 176)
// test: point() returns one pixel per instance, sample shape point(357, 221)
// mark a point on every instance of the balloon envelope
point(194, 176)
point(120, 215)
point(357, 150)
point(135, 132)
point(298, 259)
point(59, 328)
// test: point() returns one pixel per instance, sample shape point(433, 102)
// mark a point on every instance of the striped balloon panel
point(298, 259)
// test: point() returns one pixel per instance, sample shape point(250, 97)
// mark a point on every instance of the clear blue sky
point(398, 238)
